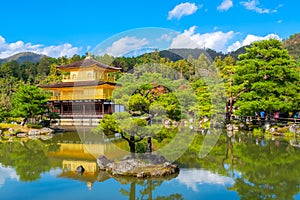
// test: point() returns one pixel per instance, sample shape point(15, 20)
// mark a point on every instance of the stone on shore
point(33, 132)
point(46, 130)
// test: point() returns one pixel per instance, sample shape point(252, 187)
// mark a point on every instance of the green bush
point(34, 126)
point(140, 147)
point(258, 131)
point(17, 131)
point(165, 133)
point(280, 124)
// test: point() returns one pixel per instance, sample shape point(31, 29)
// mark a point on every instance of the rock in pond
point(103, 162)
point(152, 166)
point(80, 169)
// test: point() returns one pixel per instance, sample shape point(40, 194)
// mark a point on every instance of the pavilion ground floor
point(83, 112)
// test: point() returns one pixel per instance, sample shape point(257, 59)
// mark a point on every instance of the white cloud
point(166, 37)
point(2, 40)
point(193, 178)
point(7, 172)
point(88, 48)
point(225, 5)
point(249, 39)
point(60, 50)
point(126, 45)
point(183, 9)
point(279, 21)
point(215, 40)
point(9, 49)
point(253, 5)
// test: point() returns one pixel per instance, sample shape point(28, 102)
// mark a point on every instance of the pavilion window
point(77, 109)
point(89, 75)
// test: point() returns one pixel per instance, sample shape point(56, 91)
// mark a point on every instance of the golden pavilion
point(83, 95)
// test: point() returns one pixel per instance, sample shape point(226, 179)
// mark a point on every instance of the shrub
point(258, 131)
point(34, 126)
point(165, 133)
point(140, 147)
point(17, 131)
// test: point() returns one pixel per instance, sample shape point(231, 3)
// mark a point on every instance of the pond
point(238, 167)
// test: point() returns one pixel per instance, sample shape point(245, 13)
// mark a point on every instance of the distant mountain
point(24, 56)
point(177, 54)
point(292, 44)
point(235, 54)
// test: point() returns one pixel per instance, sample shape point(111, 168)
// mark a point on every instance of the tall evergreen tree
point(29, 102)
point(265, 79)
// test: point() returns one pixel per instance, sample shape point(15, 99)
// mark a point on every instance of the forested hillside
point(178, 54)
point(292, 44)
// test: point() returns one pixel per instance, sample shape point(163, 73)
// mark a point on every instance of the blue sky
point(61, 27)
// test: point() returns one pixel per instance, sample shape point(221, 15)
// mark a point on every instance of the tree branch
point(239, 94)
point(125, 138)
point(148, 92)
point(141, 138)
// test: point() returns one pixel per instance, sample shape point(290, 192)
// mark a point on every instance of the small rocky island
point(143, 167)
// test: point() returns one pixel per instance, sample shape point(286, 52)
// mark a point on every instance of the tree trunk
point(132, 146)
point(149, 145)
point(149, 182)
point(149, 141)
point(132, 191)
point(24, 121)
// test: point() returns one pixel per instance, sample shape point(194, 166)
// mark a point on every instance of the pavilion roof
point(88, 62)
point(77, 84)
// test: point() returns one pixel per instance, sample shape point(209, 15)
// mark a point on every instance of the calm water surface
point(240, 167)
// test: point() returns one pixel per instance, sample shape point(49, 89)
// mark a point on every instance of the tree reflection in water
point(28, 158)
point(148, 186)
point(260, 168)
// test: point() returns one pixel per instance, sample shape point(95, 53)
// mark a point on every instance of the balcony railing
point(92, 78)
point(78, 97)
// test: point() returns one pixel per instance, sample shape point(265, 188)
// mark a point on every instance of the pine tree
point(266, 79)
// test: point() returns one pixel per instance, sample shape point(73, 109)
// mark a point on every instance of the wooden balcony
point(78, 97)
point(67, 78)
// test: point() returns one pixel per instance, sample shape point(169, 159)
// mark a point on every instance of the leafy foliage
point(265, 79)
point(29, 101)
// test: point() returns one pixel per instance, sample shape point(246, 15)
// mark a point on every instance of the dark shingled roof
point(87, 62)
point(77, 84)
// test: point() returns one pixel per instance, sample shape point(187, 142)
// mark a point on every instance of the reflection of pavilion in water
point(71, 165)
point(74, 152)
point(89, 176)
point(87, 151)
point(83, 150)
point(86, 145)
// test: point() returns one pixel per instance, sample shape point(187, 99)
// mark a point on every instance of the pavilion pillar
point(61, 108)
point(112, 106)
point(102, 108)
point(110, 109)
point(83, 109)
